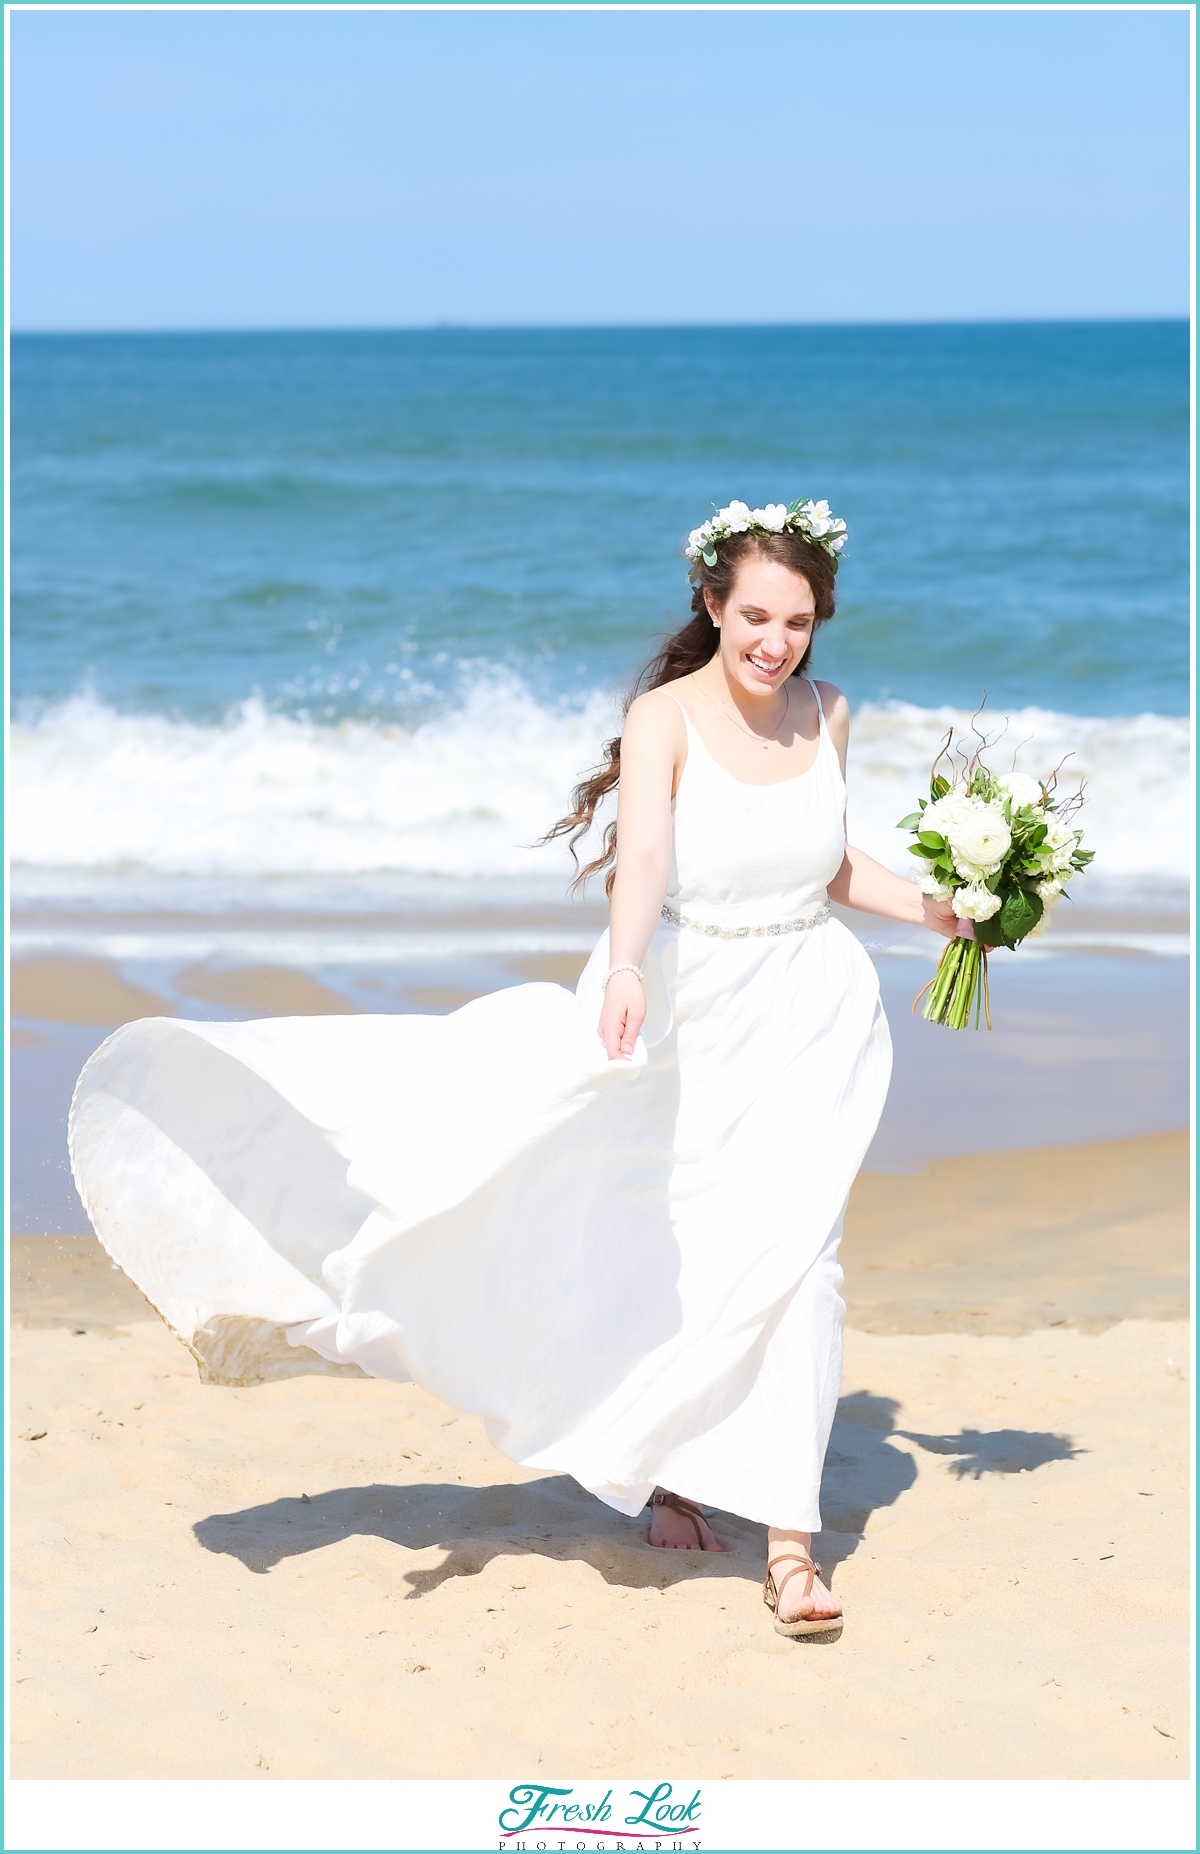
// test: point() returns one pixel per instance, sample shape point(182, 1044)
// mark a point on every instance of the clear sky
point(326, 168)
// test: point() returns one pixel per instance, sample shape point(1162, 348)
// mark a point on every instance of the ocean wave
point(262, 797)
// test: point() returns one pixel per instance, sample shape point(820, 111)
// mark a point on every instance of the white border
point(463, 1815)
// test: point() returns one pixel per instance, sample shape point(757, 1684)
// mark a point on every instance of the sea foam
point(100, 798)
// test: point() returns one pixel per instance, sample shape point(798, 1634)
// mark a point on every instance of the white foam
point(307, 951)
point(262, 795)
point(99, 798)
point(1136, 768)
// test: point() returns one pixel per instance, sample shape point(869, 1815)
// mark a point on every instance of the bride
point(619, 1249)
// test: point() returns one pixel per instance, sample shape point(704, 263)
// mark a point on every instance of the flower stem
point(959, 984)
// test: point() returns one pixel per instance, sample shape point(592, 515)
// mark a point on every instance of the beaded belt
point(814, 918)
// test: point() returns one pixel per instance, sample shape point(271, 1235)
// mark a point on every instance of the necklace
point(764, 743)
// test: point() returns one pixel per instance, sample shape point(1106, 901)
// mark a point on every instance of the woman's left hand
point(940, 916)
point(623, 1014)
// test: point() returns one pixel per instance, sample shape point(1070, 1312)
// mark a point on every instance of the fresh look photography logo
point(547, 1816)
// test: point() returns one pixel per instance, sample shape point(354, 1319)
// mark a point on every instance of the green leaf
point(932, 839)
point(990, 933)
point(938, 787)
point(1021, 913)
point(910, 822)
point(918, 849)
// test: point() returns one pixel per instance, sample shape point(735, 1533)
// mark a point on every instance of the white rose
point(975, 903)
point(1049, 891)
point(979, 839)
point(930, 885)
point(736, 518)
point(820, 521)
point(772, 517)
point(838, 543)
point(1021, 789)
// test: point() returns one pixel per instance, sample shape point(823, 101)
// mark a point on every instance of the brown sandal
point(687, 1508)
point(807, 1628)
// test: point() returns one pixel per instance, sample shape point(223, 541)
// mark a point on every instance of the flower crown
point(805, 517)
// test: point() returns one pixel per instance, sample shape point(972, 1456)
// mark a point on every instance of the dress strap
point(688, 723)
point(820, 704)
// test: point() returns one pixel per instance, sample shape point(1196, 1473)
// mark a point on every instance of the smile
point(768, 669)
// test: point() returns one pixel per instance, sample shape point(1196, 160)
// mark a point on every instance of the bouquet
point(1002, 849)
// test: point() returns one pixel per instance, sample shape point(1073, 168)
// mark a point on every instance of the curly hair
point(684, 651)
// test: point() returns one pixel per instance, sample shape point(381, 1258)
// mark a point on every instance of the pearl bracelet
point(613, 970)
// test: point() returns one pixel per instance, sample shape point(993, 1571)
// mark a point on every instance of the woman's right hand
point(623, 1015)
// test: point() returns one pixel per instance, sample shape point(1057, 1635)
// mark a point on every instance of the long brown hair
point(685, 650)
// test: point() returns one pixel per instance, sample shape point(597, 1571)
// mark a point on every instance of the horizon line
point(454, 326)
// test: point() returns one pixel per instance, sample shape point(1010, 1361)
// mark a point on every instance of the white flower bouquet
point(1001, 849)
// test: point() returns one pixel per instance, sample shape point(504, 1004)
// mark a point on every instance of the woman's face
point(766, 626)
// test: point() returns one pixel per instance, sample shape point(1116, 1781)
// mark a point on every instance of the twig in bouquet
point(1017, 749)
point(925, 988)
point(1052, 780)
point(1071, 805)
point(993, 744)
point(984, 743)
point(986, 992)
point(943, 751)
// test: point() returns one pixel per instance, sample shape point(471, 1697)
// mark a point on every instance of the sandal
point(687, 1508)
point(807, 1628)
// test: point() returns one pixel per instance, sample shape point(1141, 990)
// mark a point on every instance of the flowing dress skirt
point(628, 1270)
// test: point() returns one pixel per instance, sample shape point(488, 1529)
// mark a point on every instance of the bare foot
point(674, 1531)
point(793, 1604)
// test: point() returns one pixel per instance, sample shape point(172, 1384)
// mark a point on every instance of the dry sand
point(333, 1578)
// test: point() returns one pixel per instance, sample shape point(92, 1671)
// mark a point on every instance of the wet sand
point(992, 1243)
point(1006, 1242)
point(1087, 1046)
point(267, 991)
point(72, 990)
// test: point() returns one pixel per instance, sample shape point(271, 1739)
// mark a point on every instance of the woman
point(621, 1250)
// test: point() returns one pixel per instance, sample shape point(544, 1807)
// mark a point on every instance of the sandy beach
point(332, 1578)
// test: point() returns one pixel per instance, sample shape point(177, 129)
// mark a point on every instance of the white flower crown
point(806, 517)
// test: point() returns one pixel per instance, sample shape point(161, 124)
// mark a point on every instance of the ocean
point(337, 619)
point(313, 633)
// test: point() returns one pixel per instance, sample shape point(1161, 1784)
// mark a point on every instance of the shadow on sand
point(864, 1470)
point(554, 1518)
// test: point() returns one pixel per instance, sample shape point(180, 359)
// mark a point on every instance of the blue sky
point(311, 168)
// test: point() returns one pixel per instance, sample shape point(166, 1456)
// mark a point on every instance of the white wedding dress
point(628, 1269)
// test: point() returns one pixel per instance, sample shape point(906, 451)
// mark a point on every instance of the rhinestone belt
point(814, 918)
